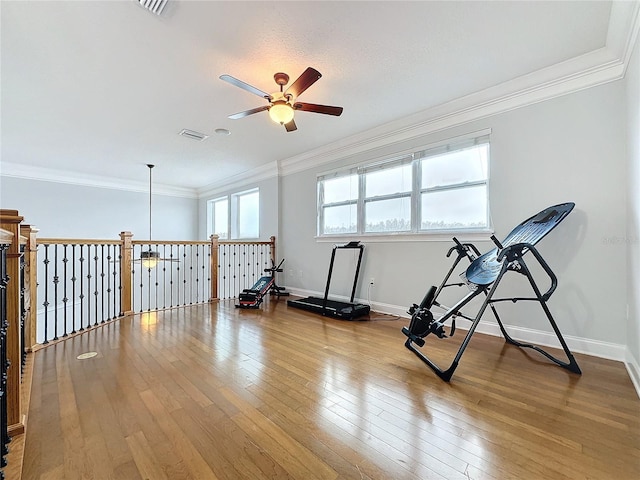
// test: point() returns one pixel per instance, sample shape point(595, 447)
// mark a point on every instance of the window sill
point(440, 236)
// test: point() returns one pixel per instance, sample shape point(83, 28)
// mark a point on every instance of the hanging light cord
point(150, 167)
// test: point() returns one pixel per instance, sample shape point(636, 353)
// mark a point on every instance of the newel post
point(272, 251)
point(10, 221)
point(126, 292)
point(30, 233)
point(213, 268)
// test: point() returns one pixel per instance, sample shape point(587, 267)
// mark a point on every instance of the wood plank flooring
point(213, 392)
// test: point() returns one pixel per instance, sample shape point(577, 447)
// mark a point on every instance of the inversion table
point(483, 277)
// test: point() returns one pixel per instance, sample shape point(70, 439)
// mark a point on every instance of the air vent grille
point(193, 135)
point(155, 6)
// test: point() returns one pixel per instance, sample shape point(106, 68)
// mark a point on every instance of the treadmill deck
point(333, 308)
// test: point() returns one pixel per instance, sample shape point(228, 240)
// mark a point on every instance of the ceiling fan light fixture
point(149, 258)
point(281, 112)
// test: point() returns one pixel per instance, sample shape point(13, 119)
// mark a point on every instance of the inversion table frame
point(483, 277)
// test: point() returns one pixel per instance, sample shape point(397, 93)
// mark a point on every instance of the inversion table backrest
point(485, 269)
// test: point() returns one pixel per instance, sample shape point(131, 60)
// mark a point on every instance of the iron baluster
point(184, 276)
point(171, 276)
point(109, 273)
point(65, 298)
point(55, 292)
point(119, 282)
point(95, 283)
point(81, 288)
point(164, 276)
point(102, 274)
point(73, 288)
point(46, 294)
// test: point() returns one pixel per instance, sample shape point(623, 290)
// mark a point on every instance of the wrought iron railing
point(241, 264)
point(79, 284)
point(170, 274)
point(84, 283)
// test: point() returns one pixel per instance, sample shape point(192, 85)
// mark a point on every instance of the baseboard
point(633, 367)
point(596, 348)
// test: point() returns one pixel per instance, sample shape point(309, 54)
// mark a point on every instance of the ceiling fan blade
point(245, 86)
point(312, 107)
point(246, 113)
point(304, 81)
point(291, 126)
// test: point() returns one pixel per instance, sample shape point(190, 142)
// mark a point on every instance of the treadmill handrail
point(354, 244)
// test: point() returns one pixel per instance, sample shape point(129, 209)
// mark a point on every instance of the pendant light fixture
point(149, 257)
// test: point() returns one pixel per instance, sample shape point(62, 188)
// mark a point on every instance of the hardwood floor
point(212, 392)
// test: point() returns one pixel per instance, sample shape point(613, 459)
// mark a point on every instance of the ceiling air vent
point(155, 6)
point(193, 135)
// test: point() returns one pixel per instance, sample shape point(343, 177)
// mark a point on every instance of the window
point(441, 188)
point(453, 191)
point(219, 217)
point(339, 197)
point(387, 199)
point(246, 214)
point(235, 216)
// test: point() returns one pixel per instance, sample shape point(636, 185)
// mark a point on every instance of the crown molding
point(595, 68)
point(264, 172)
point(8, 169)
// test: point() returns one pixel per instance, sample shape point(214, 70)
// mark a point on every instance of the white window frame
point(322, 206)
point(233, 214)
point(235, 217)
point(211, 214)
point(415, 157)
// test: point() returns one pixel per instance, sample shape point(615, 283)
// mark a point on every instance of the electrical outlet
point(372, 281)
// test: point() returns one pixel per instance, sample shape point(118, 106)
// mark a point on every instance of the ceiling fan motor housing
point(281, 79)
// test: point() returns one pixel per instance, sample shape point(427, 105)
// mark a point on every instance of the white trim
point(241, 180)
point(50, 175)
point(624, 24)
point(633, 367)
point(390, 158)
point(489, 102)
point(596, 348)
point(595, 68)
point(436, 236)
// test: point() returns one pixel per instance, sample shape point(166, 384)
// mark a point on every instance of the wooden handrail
point(99, 241)
point(77, 241)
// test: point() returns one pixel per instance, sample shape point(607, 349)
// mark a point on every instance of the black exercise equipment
point(253, 297)
point(483, 277)
point(333, 308)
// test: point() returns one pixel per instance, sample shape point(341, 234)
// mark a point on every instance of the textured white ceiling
point(104, 87)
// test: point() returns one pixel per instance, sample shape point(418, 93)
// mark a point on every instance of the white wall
point(632, 238)
point(567, 149)
point(269, 211)
point(74, 211)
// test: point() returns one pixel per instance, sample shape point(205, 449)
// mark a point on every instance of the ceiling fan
point(282, 104)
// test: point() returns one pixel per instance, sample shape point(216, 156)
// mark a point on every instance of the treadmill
point(333, 308)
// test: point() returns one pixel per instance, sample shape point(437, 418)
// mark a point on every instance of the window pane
point(467, 165)
point(340, 219)
point(388, 181)
point(392, 215)
point(248, 215)
point(458, 208)
point(341, 189)
point(220, 218)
